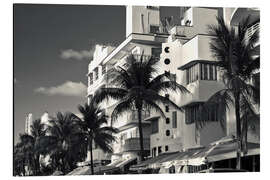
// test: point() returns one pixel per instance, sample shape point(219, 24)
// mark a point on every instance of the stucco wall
point(134, 19)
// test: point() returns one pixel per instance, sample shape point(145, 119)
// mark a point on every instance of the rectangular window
point(159, 149)
point(187, 73)
point(154, 126)
point(154, 29)
point(205, 72)
point(193, 113)
point(166, 148)
point(103, 68)
point(174, 119)
point(156, 52)
point(201, 71)
point(167, 108)
point(91, 78)
point(154, 150)
point(211, 73)
point(96, 73)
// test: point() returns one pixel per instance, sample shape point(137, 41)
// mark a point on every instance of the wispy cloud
point(77, 55)
point(68, 88)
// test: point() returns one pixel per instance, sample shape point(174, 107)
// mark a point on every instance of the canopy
point(150, 163)
point(125, 162)
point(220, 150)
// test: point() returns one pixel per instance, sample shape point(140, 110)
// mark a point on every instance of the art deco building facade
point(184, 51)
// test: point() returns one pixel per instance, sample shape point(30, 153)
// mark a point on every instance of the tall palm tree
point(138, 87)
point(235, 58)
point(63, 143)
point(93, 123)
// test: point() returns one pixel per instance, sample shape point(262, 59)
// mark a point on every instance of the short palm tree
point(93, 123)
point(63, 143)
point(138, 87)
point(235, 58)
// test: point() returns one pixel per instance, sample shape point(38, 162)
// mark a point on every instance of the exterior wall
point(139, 19)
point(174, 140)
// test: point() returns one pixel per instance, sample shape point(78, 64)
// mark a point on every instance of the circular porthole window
point(166, 49)
point(167, 61)
point(167, 132)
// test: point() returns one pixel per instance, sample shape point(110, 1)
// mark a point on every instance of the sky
point(53, 45)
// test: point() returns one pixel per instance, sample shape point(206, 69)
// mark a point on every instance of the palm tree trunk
point(91, 155)
point(140, 134)
point(238, 130)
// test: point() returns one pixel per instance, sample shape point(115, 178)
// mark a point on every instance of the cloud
point(69, 88)
point(77, 55)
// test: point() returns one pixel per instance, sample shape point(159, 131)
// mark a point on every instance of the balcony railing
point(251, 30)
point(133, 144)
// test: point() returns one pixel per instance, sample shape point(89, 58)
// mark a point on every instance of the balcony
point(197, 48)
point(133, 144)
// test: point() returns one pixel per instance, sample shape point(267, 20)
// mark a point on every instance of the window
point(91, 78)
point(154, 126)
point(166, 148)
point(159, 149)
point(168, 133)
point(154, 29)
point(154, 152)
point(201, 71)
point(198, 112)
point(137, 132)
point(167, 61)
point(167, 120)
point(167, 108)
point(156, 52)
point(96, 73)
point(103, 68)
point(174, 119)
point(166, 49)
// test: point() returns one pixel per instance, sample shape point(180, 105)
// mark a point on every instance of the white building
point(28, 123)
point(184, 51)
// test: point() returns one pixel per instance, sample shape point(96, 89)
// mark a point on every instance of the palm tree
point(63, 142)
point(235, 58)
point(27, 150)
point(93, 126)
point(138, 87)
